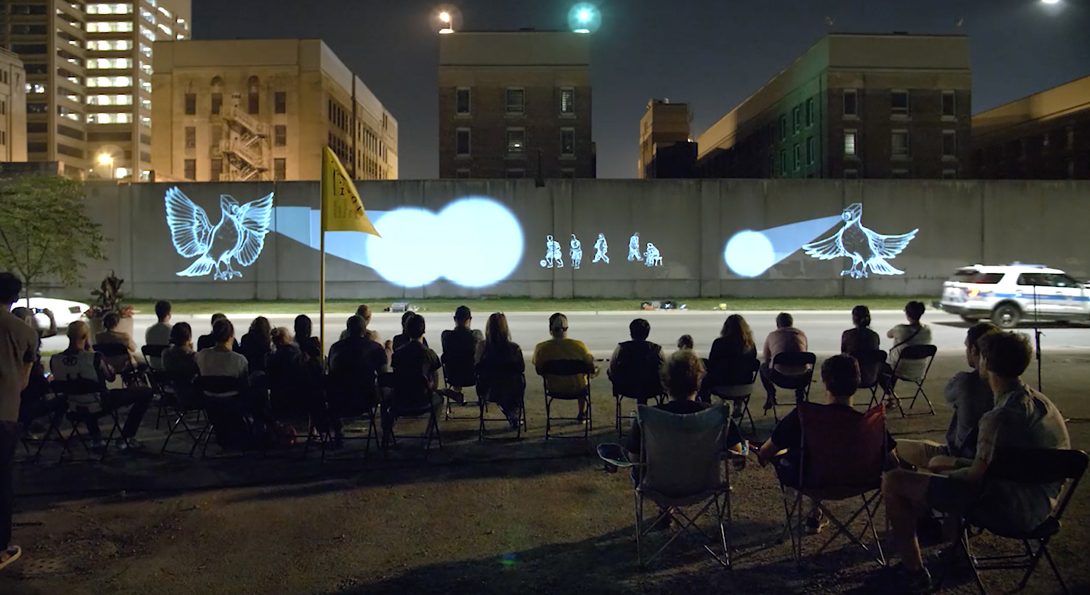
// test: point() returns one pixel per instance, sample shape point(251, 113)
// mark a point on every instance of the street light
point(105, 159)
point(1050, 1)
point(584, 18)
point(445, 19)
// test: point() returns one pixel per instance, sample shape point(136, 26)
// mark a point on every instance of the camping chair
point(458, 375)
point(566, 368)
point(738, 394)
point(180, 400)
point(1027, 466)
point(799, 383)
point(870, 368)
point(85, 406)
point(680, 467)
point(219, 397)
point(349, 399)
point(913, 353)
point(501, 380)
point(153, 354)
point(639, 379)
point(411, 397)
point(843, 456)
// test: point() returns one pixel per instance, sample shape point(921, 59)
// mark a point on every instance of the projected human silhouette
point(576, 252)
point(554, 256)
point(652, 258)
point(634, 247)
point(867, 249)
point(600, 249)
point(239, 235)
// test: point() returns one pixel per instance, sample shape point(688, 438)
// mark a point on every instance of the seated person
point(860, 337)
point(499, 352)
point(685, 342)
point(354, 365)
point(112, 336)
point(969, 395)
point(309, 345)
point(179, 360)
point(411, 362)
point(257, 343)
point(840, 374)
point(730, 361)
point(403, 339)
point(206, 341)
point(785, 339)
point(222, 361)
point(633, 367)
point(461, 346)
point(903, 335)
point(560, 347)
point(159, 333)
point(80, 362)
point(364, 312)
point(291, 385)
point(681, 375)
point(1021, 418)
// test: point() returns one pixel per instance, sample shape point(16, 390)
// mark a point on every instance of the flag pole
point(325, 186)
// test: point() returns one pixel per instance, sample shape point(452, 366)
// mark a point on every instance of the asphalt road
point(601, 331)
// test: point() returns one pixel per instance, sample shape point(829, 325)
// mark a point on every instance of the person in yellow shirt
point(560, 347)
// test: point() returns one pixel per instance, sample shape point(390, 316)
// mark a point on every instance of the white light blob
point(405, 254)
point(479, 242)
point(749, 253)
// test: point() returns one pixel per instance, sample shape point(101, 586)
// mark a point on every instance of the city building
point(515, 104)
point(666, 149)
point(1043, 136)
point(12, 108)
point(49, 37)
point(263, 110)
point(120, 39)
point(853, 106)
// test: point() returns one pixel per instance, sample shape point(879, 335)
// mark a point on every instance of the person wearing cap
point(560, 347)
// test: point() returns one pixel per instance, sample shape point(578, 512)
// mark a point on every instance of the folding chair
point(153, 354)
point(85, 405)
point(349, 400)
point(501, 380)
point(799, 383)
point(411, 397)
point(218, 396)
point(682, 467)
point(566, 368)
point(638, 380)
point(53, 431)
point(843, 456)
point(180, 401)
point(738, 394)
point(117, 356)
point(458, 375)
point(1027, 466)
point(870, 368)
point(913, 353)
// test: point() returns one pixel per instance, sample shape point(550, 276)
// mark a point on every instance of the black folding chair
point(566, 368)
point(1037, 466)
point(117, 356)
point(85, 404)
point(870, 372)
point(640, 381)
point(925, 354)
point(739, 394)
point(799, 383)
point(410, 397)
point(219, 396)
point(56, 413)
point(350, 400)
point(153, 354)
point(458, 375)
point(181, 401)
point(501, 380)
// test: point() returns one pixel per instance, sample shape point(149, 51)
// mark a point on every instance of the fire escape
point(244, 145)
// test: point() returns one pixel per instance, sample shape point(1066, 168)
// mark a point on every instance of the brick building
point(515, 104)
point(853, 106)
point(1045, 136)
point(666, 150)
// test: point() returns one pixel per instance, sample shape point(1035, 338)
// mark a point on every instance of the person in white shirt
point(903, 335)
point(221, 359)
point(159, 333)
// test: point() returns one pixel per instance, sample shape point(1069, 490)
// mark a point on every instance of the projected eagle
point(239, 235)
point(867, 249)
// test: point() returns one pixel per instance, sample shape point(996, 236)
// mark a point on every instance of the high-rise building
point(120, 39)
point(853, 106)
point(666, 150)
point(12, 108)
point(515, 104)
point(49, 37)
point(1045, 136)
point(264, 110)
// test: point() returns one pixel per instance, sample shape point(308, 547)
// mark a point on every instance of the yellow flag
point(342, 209)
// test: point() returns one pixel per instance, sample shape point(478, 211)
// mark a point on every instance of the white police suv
point(1009, 293)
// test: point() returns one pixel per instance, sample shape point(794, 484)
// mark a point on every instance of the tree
point(44, 231)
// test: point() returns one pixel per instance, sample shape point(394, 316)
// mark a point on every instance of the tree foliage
point(44, 232)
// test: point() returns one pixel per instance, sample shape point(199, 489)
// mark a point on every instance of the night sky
point(711, 53)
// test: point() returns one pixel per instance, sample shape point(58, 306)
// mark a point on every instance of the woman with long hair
point(730, 361)
point(860, 337)
point(500, 367)
point(257, 343)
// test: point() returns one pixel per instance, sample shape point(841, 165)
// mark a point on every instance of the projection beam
point(750, 253)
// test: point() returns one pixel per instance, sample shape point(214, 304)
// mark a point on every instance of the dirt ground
point(495, 517)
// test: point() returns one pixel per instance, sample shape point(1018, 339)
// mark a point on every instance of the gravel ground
point(498, 517)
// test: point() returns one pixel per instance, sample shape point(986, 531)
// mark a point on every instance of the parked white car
point(1008, 294)
point(64, 312)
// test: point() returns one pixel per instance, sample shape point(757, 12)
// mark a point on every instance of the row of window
point(109, 63)
point(515, 101)
point(111, 45)
point(900, 146)
point(900, 103)
point(516, 142)
point(109, 9)
point(514, 173)
point(280, 169)
point(253, 101)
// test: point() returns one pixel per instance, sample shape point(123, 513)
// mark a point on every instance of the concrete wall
point(690, 221)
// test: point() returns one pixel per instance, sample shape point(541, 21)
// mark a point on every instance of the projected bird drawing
point(239, 236)
point(867, 249)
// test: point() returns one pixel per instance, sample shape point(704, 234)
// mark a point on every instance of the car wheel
point(1006, 316)
point(970, 319)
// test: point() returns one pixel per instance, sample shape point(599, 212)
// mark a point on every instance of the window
point(253, 103)
point(109, 8)
point(516, 174)
point(462, 102)
point(217, 135)
point(796, 119)
point(122, 118)
point(851, 103)
point(783, 163)
point(1071, 137)
point(811, 150)
point(851, 174)
point(217, 102)
point(949, 104)
point(850, 140)
point(567, 101)
point(109, 100)
point(783, 127)
point(516, 100)
point(949, 143)
point(899, 103)
point(949, 174)
point(190, 104)
point(190, 137)
point(280, 169)
point(280, 100)
point(216, 170)
point(109, 27)
point(516, 141)
point(900, 174)
point(567, 142)
point(191, 169)
point(280, 135)
point(109, 63)
point(810, 111)
point(462, 142)
point(462, 173)
point(798, 157)
point(109, 81)
point(900, 143)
